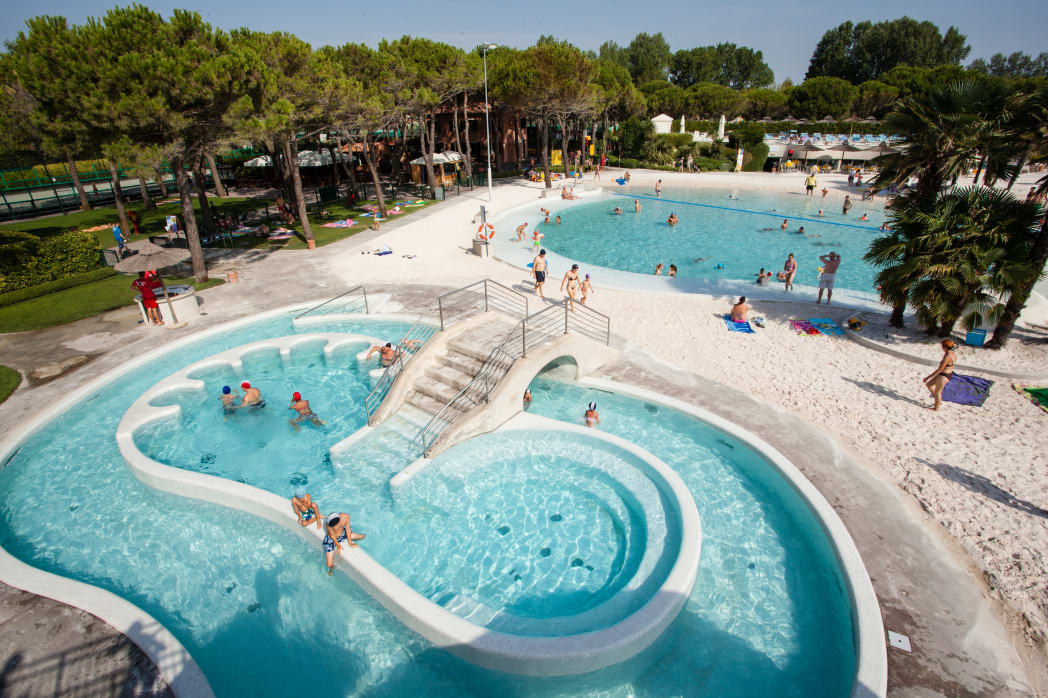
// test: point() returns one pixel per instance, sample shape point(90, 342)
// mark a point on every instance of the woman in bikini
point(592, 418)
point(942, 375)
point(790, 268)
point(571, 279)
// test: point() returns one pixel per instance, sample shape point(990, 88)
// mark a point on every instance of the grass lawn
point(331, 211)
point(152, 221)
point(9, 380)
point(78, 302)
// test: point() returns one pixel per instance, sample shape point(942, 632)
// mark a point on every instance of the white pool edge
point(871, 666)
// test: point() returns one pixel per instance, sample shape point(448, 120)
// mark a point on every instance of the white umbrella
point(452, 156)
point(438, 159)
point(260, 161)
point(151, 257)
point(314, 158)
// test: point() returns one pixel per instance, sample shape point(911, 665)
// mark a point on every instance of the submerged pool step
point(470, 609)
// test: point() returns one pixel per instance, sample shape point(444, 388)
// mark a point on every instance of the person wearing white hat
point(337, 531)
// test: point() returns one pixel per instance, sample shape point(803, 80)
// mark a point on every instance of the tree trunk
point(205, 207)
point(455, 121)
point(220, 188)
point(563, 144)
point(545, 151)
point(291, 152)
point(143, 188)
point(427, 153)
point(465, 117)
point(1019, 167)
point(350, 175)
point(85, 205)
point(334, 166)
point(978, 170)
point(118, 197)
point(897, 315)
point(604, 135)
point(160, 181)
point(196, 252)
point(1017, 301)
point(370, 161)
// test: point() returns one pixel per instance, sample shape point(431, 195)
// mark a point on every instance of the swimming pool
point(717, 238)
point(257, 611)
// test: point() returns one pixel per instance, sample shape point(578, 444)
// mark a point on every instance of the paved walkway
point(965, 645)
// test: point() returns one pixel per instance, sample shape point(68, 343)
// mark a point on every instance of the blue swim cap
point(226, 390)
point(300, 492)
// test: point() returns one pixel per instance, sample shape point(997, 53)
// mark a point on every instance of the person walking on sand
point(937, 379)
point(658, 189)
point(847, 205)
point(829, 270)
point(825, 191)
point(571, 279)
point(337, 531)
point(587, 289)
point(538, 272)
point(809, 185)
point(306, 510)
point(790, 269)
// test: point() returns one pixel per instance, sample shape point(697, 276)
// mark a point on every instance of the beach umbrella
point(827, 120)
point(789, 117)
point(765, 120)
point(260, 161)
point(151, 257)
point(870, 120)
point(438, 159)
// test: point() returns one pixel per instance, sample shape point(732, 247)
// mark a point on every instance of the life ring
point(489, 235)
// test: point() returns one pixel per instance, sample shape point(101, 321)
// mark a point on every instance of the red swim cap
point(296, 396)
point(245, 385)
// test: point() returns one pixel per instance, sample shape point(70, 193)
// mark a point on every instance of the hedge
point(628, 163)
point(758, 155)
point(56, 257)
point(24, 294)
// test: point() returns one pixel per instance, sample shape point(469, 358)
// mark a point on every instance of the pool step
point(470, 609)
point(460, 362)
point(438, 390)
point(449, 376)
point(424, 403)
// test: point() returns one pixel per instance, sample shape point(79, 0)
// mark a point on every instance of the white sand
point(980, 472)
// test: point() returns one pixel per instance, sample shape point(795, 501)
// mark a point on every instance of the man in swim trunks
point(658, 189)
point(673, 220)
point(336, 532)
point(847, 204)
point(538, 272)
point(304, 412)
point(785, 224)
point(809, 185)
point(386, 354)
point(145, 286)
point(521, 232)
point(306, 510)
point(829, 271)
point(636, 205)
point(252, 396)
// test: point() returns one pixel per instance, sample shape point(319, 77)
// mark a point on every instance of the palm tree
point(955, 258)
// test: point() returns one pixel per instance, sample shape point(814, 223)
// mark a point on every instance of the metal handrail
point(355, 288)
point(546, 325)
point(495, 295)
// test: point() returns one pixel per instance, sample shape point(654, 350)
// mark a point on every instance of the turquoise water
point(253, 603)
point(742, 233)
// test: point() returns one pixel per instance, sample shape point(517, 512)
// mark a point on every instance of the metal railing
point(532, 332)
point(341, 307)
point(478, 297)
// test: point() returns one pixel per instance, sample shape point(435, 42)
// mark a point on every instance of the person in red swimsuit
point(144, 285)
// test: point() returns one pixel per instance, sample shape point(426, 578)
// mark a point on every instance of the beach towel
point(1036, 395)
point(825, 325)
point(340, 224)
point(384, 252)
point(245, 230)
point(967, 390)
point(279, 236)
point(737, 326)
point(621, 181)
point(804, 327)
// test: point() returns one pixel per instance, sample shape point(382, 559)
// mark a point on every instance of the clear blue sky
point(785, 32)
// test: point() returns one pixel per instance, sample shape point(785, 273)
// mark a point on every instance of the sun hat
point(333, 518)
point(593, 406)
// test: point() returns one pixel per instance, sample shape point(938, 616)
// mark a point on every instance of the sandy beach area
point(980, 472)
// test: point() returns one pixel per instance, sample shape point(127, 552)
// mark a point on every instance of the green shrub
point(711, 164)
point(758, 154)
point(24, 294)
point(628, 163)
point(55, 257)
point(677, 140)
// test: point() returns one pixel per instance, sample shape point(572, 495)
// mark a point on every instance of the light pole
point(487, 125)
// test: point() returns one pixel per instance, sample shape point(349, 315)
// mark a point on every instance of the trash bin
point(438, 194)
point(480, 247)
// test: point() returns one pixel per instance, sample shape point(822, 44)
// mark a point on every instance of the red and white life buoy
point(486, 236)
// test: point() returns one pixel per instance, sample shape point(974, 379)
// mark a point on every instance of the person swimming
point(592, 417)
point(304, 412)
point(673, 270)
point(617, 211)
point(673, 220)
point(785, 224)
point(228, 400)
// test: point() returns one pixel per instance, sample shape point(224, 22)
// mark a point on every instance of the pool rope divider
point(871, 665)
point(518, 654)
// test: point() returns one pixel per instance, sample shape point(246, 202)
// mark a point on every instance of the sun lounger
point(738, 326)
point(825, 325)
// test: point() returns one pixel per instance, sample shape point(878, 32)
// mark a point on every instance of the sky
point(785, 32)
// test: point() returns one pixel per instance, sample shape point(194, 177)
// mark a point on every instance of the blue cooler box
point(975, 338)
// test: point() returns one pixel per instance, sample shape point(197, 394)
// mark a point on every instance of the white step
point(449, 376)
point(424, 403)
point(460, 362)
point(439, 391)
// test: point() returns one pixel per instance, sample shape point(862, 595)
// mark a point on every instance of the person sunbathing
point(739, 310)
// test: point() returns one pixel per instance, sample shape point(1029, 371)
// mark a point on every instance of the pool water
point(256, 608)
point(742, 234)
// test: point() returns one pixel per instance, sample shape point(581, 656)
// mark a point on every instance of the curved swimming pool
point(717, 237)
point(258, 612)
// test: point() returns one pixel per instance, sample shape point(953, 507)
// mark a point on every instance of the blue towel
point(737, 326)
point(621, 181)
point(967, 390)
point(826, 325)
